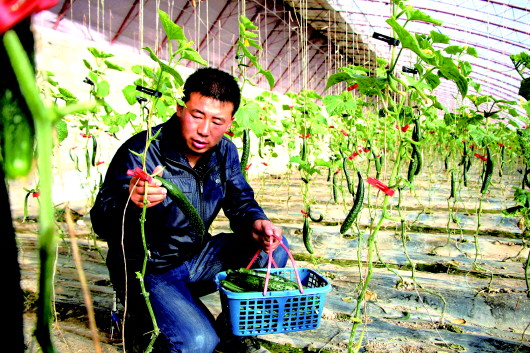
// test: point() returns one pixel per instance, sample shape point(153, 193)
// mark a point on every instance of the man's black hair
point(213, 83)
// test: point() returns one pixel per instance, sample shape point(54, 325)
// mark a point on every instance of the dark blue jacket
point(215, 183)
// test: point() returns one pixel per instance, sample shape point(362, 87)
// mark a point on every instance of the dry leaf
point(459, 321)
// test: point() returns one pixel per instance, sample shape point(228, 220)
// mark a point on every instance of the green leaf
point(253, 43)
point(192, 55)
point(103, 89)
point(248, 54)
point(99, 54)
point(129, 92)
point(417, 15)
point(118, 119)
point(449, 70)
point(319, 162)
point(250, 34)
point(432, 80)
point(466, 68)
point(371, 85)
point(87, 64)
point(340, 104)
point(173, 31)
point(268, 75)
point(337, 78)
point(472, 51)
point(67, 95)
point(438, 37)
point(247, 114)
point(113, 66)
point(408, 40)
point(62, 130)
point(453, 49)
point(165, 67)
point(247, 24)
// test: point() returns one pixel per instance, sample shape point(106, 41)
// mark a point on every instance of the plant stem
point(526, 276)
point(47, 241)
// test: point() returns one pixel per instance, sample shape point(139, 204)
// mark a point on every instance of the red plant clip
point(353, 155)
point(140, 174)
point(484, 158)
point(378, 184)
point(354, 86)
point(12, 11)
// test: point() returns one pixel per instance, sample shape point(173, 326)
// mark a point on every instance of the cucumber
point(246, 152)
point(254, 283)
point(306, 236)
point(263, 274)
point(231, 286)
point(347, 176)
point(488, 173)
point(357, 206)
point(453, 185)
point(17, 137)
point(313, 218)
point(185, 206)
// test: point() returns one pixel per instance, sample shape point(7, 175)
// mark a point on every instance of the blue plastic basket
point(252, 313)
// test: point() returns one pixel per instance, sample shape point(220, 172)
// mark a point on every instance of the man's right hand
point(155, 192)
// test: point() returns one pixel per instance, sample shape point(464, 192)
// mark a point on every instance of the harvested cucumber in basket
point(246, 280)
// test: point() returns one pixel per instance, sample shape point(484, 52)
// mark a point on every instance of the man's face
point(203, 123)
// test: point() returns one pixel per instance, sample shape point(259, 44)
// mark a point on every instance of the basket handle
point(271, 261)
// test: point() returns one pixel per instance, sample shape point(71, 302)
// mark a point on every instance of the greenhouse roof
point(496, 29)
point(306, 41)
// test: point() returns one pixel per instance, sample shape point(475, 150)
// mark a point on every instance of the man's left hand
point(262, 231)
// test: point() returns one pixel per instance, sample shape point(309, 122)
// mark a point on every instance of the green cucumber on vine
point(347, 175)
point(419, 160)
point(185, 206)
point(488, 174)
point(313, 218)
point(18, 134)
point(246, 152)
point(377, 160)
point(306, 235)
point(464, 155)
point(335, 188)
point(94, 150)
point(356, 207)
point(303, 149)
point(416, 133)
point(453, 185)
point(503, 157)
point(413, 164)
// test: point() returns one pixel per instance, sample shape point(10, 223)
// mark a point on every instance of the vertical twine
point(141, 24)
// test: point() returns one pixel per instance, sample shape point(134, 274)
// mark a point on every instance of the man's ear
point(180, 108)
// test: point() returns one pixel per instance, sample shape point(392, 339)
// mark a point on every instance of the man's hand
point(262, 231)
point(155, 192)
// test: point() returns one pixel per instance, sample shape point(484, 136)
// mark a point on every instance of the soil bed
point(486, 305)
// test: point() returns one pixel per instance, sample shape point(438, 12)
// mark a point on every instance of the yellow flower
point(427, 51)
